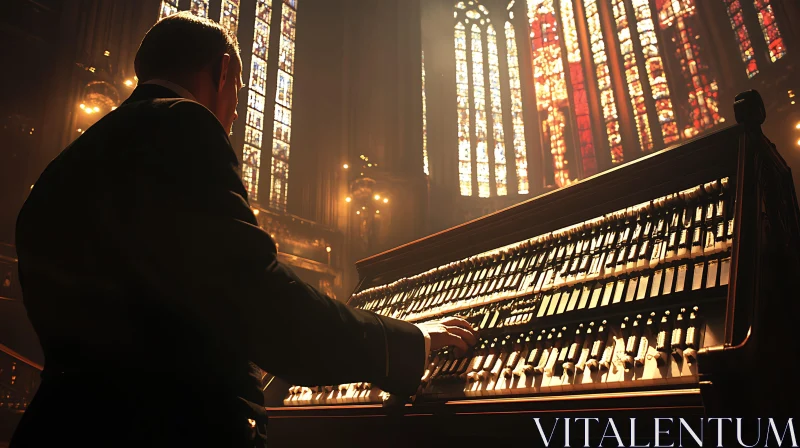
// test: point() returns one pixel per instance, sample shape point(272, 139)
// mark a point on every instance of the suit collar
point(149, 92)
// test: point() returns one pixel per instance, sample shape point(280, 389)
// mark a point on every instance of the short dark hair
point(182, 44)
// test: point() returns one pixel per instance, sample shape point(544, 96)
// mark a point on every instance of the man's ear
point(225, 62)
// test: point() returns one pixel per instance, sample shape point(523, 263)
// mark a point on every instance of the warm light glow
point(348, 199)
point(128, 82)
point(358, 212)
point(377, 197)
point(255, 211)
point(377, 212)
point(363, 208)
point(83, 106)
point(797, 126)
point(385, 200)
point(328, 249)
point(106, 53)
point(345, 166)
point(96, 109)
point(88, 110)
point(80, 130)
point(113, 107)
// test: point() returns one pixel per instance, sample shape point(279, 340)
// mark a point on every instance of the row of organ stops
point(697, 222)
point(560, 355)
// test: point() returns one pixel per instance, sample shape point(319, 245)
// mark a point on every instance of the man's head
point(198, 55)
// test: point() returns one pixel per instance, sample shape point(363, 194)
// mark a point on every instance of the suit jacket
point(157, 298)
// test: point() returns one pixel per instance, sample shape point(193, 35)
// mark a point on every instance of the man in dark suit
point(156, 296)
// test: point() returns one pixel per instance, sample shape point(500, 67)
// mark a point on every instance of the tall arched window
point(604, 85)
point(678, 15)
point(482, 124)
point(425, 168)
point(168, 8)
point(769, 27)
point(229, 15)
point(199, 8)
point(515, 88)
point(736, 17)
point(256, 99)
point(282, 125)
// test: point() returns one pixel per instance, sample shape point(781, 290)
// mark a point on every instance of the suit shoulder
point(188, 111)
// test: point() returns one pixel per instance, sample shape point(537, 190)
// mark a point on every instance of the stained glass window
point(520, 151)
point(632, 76)
point(551, 87)
point(168, 8)
point(579, 100)
point(703, 105)
point(424, 122)
point(281, 130)
point(462, 100)
point(254, 123)
point(229, 17)
point(479, 102)
point(199, 8)
point(772, 35)
point(603, 74)
point(656, 75)
point(742, 37)
point(500, 170)
point(479, 108)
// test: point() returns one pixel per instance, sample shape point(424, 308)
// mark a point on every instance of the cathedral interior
point(368, 125)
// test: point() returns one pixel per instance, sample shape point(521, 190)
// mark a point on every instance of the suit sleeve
point(191, 235)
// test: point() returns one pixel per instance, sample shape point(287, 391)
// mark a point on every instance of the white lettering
point(616, 434)
point(541, 431)
point(659, 432)
point(739, 433)
point(719, 429)
point(633, 435)
point(789, 426)
point(586, 429)
point(698, 440)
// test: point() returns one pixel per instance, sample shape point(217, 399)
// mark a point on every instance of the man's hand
point(452, 331)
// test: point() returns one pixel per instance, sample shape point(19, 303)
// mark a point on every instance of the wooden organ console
point(661, 287)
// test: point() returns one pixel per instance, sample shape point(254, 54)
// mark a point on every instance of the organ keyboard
point(664, 283)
